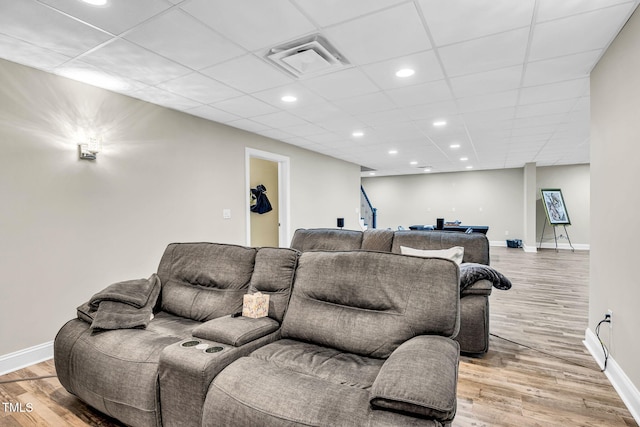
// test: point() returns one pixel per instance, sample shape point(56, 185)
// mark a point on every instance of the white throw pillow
point(455, 253)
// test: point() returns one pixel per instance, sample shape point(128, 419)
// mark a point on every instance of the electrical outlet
point(610, 313)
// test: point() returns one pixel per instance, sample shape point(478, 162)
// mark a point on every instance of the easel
point(557, 214)
point(555, 236)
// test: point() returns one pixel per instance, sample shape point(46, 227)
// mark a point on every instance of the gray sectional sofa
point(474, 298)
point(352, 338)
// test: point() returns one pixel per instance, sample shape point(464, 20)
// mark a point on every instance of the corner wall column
point(529, 241)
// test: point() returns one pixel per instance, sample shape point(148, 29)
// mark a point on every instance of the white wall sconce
point(90, 150)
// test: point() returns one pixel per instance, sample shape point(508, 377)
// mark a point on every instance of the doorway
point(272, 171)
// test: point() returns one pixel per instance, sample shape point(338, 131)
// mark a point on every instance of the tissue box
point(255, 305)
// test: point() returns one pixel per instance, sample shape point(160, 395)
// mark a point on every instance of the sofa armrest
point(235, 331)
point(480, 287)
point(420, 377)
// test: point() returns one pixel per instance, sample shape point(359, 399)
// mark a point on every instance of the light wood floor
point(558, 384)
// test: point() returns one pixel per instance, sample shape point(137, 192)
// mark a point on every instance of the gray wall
point(68, 227)
point(494, 198)
point(615, 199)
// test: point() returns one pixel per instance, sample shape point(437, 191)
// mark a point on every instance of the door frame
point(284, 213)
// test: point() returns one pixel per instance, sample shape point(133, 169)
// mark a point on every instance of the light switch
point(226, 213)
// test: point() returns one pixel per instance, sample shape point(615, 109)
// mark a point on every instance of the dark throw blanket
point(123, 305)
point(471, 272)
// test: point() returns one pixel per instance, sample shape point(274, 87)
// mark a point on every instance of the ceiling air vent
point(307, 58)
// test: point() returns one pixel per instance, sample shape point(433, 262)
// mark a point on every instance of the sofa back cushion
point(377, 239)
point(368, 303)
point(326, 239)
point(202, 281)
point(476, 245)
point(273, 275)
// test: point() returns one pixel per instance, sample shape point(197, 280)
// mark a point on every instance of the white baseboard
point(566, 246)
point(620, 381)
point(27, 357)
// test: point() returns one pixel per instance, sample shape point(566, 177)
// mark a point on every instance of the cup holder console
point(197, 344)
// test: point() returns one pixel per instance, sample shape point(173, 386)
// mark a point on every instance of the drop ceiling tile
point(452, 21)
point(28, 54)
point(425, 64)
point(127, 59)
point(330, 12)
point(248, 74)
point(275, 134)
point(553, 9)
point(200, 88)
point(342, 125)
point(543, 108)
point(280, 119)
point(263, 25)
point(492, 101)
point(245, 106)
point(384, 117)
point(341, 84)
point(248, 125)
point(380, 36)
point(555, 91)
point(305, 97)
point(210, 113)
point(306, 130)
point(318, 112)
point(87, 73)
point(578, 33)
point(365, 104)
point(486, 82)
point(116, 17)
point(563, 68)
point(39, 25)
point(175, 34)
point(431, 111)
point(328, 137)
point(164, 98)
point(486, 53)
point(431, 92)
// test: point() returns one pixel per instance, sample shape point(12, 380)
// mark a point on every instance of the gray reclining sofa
point(474, 298)
point(352, 338)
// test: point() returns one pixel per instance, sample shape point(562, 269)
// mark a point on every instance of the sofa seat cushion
point(254, 391)
point(117, 371)
point(322, 362)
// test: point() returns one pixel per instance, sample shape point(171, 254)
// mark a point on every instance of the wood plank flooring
point(555, 382)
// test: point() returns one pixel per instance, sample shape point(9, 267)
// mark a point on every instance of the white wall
point(615, 199)
point(493, 197)
point(68, 227)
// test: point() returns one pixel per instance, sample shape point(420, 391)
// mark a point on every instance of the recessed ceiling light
point(426, 170)
point(454, 146)
point(405, 72)
point(357, 133)
point(372, 173)
point(96, 2)
point(439, 123)
point(393, 151)
point(289, 98)
point(464, 159)
point(413, 163)
point(469, 167)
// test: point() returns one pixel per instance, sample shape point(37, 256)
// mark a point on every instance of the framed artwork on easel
point(554, 207)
